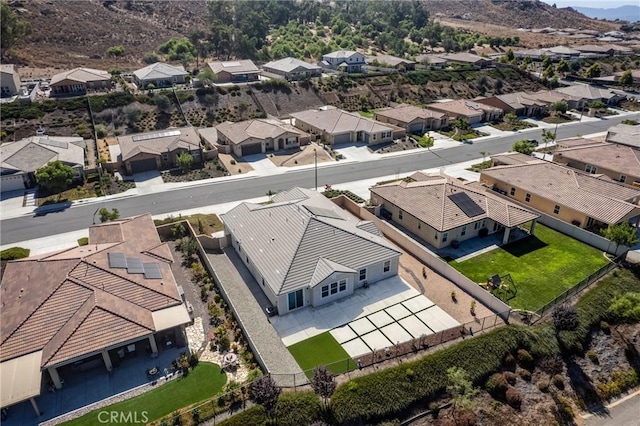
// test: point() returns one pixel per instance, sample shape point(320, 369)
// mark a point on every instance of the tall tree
point(265, 392)
point(184, 160)
point(323, 383)
point(55, 176)
point(621, 233)
point(626, 78)
point(12, 28)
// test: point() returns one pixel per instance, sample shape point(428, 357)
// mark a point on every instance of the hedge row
point(14, 253)
point(294, 409)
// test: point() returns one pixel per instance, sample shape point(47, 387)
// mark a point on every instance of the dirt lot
point(300, 157)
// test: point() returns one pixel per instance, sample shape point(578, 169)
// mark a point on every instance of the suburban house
point(343, 60)
point(619, 162)
point(624, 134)
point(471, 111)
point(21, 159)
point(594, 50)
point(574, 197)
point(258, 136)
point(573, 142)
point(412, 118)
point(550, 96)
point(563, 52)
point(388, 61)
point(518, 103)
point(88, 305)
point(440, 209)
point(432, 60)
point(160, 75)
point(335, 126)
point(465, 58)
point(534, 54)
point(292, 69)
point(79, 81)
point(142, 152)
point(512, 158)
point(240, 71)
point(590, 94)
point(303, 250)
point(9, 80)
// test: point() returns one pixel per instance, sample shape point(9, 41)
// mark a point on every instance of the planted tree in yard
point(55, 176)
point(511, 118)
point(626, 78)
point(162, 103)
point(270, 194)
point(622, 233)
point(565, 317)
point(461, 389)
point(188, 247)
point(108, 216)
point(593, 71)
point(323, 383)
point(426, 141)
point(626, 307)
point(563, 66)
point(265, 392)
point(548, 136)
point(207, 76)
point(523, 147)
point(559, 107)
point(184, 161)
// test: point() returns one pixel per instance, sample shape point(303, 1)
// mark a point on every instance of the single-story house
point(563, 52)
point(550, 96)
point(156, 150)
point(620, 50)
point(471, 111)
point(432, 60)
point(79, 81)
point(22, 159)
point(512, 158)
point(595, 49)
point(591, 93)
point(465, 58)
point(9, 80)
point(440, 209)
point(343, 60)
point(258, 136)
point(574, 197)
point(619, 162)
point(87, 304)
point(412, 118)
point(335, 126)
point(303, 250)
point(624, 134)
point(534, 54)
point(292, 69)
point(160, 75)
point(388, 61)
point(518, 103)
point(574, 142)
point(240, 71)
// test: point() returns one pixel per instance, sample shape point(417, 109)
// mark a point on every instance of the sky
point(605, 4)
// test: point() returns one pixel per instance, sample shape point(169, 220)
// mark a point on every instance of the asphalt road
point(625, 413)
point(81, 216)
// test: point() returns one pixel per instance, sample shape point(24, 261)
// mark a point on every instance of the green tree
point(563, 66)
point(548, 136)
point(12, 28)
point(163, 103)
point(625, 307)
point(509, 56)
point(523, 147)
point(426, 141)
point(55, 176)
point(101, 131)
point(511, 118)
point(461, 389)
point(626, 78)
point(461, 123)
point(621, 233)
point(593, 71)
point(188, 247)
point(559, 107)
point(206, 76)
point(116, 51)
point(108, 216)
point(184, 160)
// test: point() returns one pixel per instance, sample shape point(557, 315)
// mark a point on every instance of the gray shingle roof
point(289, 245)
point(159, 70)
point(34, 152)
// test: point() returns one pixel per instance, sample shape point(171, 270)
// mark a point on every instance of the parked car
point(533, 142)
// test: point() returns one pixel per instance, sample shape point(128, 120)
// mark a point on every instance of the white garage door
point(11, 183)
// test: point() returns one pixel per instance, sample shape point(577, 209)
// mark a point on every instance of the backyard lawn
point(201, 223)
point(542, 266)
point(321, 350)
point(205, 381)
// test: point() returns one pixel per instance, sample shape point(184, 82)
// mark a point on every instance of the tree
point(621, 233)
point(461, 389)
point(116, 51)
point(461, 123)
point(484, 155)
point(188, 247)
point(511, 118)
point(206, 76)
point(626, 78)
point(162, 103)
point(565, 317)
point(184, 161)
point(563, 66)
point(559, 107)
point(323, 383)
point(509, 56)
point(593, 71)
point(265, 392)
point(625, 307)
point(55, 176)
point(523, 147)
point(270, 194)
point(12, 28)
point(548, 136)
point(426, 141)
point(108, 216)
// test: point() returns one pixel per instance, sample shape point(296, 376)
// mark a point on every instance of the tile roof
point(290, 64)
point(624, 134)
point(519, 100)
point(31, 153)
point(340, 54)
point(597, 198)
point(431, 59)
point(429, 201)
point(463, 107)
point(407, 113)
point(71, 303)
point(464, 57)
point(619, 158)
point(586, 91)
point(260, 128)
point(158, 142)
point(241, 66)
point(8, 68)
point(511, 158)
point(577, 141)
point(288, 243)
point(337, 121)
point(81, 75)
point(388, 59)
point(551, 96)
point(159, 70)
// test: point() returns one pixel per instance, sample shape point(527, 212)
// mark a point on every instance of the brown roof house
point(79, 80)
point(240, 71)
point(87, 304)
point(565, 193)
point(304, 250)
point(335, 126)
point(433, 61)
point(388, 61)
point(551, 96)
point(624, 134)
point(519, 103)
point(465, 58)
point(258, 136)
point(156, 150)
point(591, 93)
point(440, 209)
point(413, 118)
point(471, 111)
point(619, 162)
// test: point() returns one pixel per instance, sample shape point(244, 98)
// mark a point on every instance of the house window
point(325, 291)
point(513, 191)
point(295, 299)
point(363, 274)
point(445, 237)
point(464, 231)
point(400, 215)
point(556, 209)
point(419, 225)
point(374, 136)
point(590, 222)
point(342, 285)
point(165, 157)
point(476, 225)
point(590, 168)
point(527, 197)
point(387, 266)
point(484, 222)
point(334, 288)
point(623, 178)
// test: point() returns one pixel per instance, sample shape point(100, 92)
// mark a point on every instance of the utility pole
point(315, 162)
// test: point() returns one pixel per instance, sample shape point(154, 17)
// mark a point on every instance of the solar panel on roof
point(156, 135)
point(134, 265)
point(466, 204)
point(152, 271)
point(117, 260)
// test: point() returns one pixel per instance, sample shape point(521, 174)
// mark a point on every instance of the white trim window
point(386, 266)
point(334, 288)
point(362, 274)
point(590, 168)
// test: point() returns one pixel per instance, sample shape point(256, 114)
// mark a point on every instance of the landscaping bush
point(604, 326)
point(525, 360)
point(543, 386)
point(619, 382)
point(14, 253)
point(593, 357)
point(525, 375)
point(510, 377)
point(293, 408)
point(558, 381)
point(514, 398)
point(497, 385)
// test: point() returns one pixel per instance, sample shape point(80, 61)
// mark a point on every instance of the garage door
point(11, 183)
point(143, 165)
point(255, 148)
point(415, 128)
point(344, 138)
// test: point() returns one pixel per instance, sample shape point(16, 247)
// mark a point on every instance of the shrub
point(564, 411)
point(619, 382)
point(604, 326)
point(509, 360)
point(525, 359)
point(558, 381)
point(510, 377)
point(497, 385)
point(514, 398)
point(525, 375)
point(83, 241)
point(593, 357)
point(293, 408)
point(14, 253)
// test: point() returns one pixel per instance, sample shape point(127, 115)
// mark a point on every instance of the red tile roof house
point(89, 303)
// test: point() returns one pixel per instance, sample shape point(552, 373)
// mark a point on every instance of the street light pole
point(315, 162)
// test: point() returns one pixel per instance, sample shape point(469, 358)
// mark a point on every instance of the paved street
point(222, 191)
point(621, 413)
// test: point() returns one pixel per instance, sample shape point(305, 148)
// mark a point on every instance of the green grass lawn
point(321, 350)
point(366, 114)
point(542, 266)
point(205, 381)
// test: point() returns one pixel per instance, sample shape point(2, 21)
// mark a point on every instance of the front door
point(296, 300)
